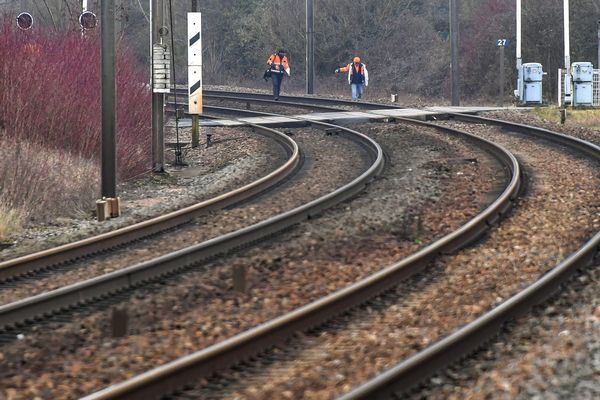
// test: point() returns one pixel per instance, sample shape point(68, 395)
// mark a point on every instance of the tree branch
point(51, 15)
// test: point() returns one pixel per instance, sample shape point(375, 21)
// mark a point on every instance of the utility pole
point(158, 100)
point(109, 153)
point(519, 90)
point(310, 47)
point(195, 118)
point(566, 20)
point(598, 65)
point(108, 206)
point(454, 51)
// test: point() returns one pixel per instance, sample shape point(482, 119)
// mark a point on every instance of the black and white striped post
point(195, 71)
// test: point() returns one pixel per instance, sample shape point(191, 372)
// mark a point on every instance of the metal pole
point(158, 140)
point(195, 118)
point(109, 153)
point(598, 65)
point(454, 43)
point(310, 47)
point(567, 53)
point(519, 91)
point(501, 75)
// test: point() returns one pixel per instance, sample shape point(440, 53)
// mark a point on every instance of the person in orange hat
point(357, 77)
point(278, 66)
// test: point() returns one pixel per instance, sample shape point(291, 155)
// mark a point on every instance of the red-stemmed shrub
point(50, 104)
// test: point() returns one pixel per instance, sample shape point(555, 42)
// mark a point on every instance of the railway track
point(411, 371)
point(315, 103)
point(406, 375)
point(277, 331)
point(56, 301)
point(165, 387)
point(47, 260)
point(62, 317)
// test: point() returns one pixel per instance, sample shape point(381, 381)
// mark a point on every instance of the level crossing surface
point(341, 116)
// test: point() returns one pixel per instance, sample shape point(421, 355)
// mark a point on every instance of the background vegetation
point(405, 43)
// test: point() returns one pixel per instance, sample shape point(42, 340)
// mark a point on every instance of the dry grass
point(586, 117)
point(37, 184)
point(11, 222)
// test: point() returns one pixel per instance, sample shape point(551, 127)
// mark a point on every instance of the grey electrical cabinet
point(583, 83)
point(532, 83)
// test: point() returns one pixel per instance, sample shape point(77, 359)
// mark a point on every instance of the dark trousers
point(277, 79)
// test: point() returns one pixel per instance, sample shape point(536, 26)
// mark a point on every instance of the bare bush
point(50, 96)
point(40, 184)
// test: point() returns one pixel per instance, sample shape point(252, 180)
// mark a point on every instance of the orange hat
point(356, 59)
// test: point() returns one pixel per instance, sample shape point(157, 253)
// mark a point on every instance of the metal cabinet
point(532, 83)
point(583, 77)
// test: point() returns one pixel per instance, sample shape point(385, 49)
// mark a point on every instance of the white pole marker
point(195, 62)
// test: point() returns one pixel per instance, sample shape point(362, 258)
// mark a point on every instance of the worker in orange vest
point(278, 67)
point(357, 77)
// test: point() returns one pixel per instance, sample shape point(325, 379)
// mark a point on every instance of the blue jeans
point(357, 89)
point(277, 79)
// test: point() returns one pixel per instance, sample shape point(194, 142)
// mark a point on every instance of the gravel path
point(304, 264)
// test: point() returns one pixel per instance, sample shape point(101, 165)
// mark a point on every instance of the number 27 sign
point(502, 42)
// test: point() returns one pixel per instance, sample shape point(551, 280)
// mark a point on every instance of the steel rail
point(417, 368)
point(262, 100)
point(45, 259)
point(173, 375)
point(304, 100)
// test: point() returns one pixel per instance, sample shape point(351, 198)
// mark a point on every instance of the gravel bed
point(319, 256)
point(322, 172)
point(552, 353)
point(558, 214)
point(236, 158)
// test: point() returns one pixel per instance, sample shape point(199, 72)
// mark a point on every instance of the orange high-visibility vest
point(278, 65)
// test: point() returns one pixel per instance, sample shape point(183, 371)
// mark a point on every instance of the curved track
point(409, 373)
point(81, 293)
point(173, 375)
point(401, 378)
point(47, 259)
